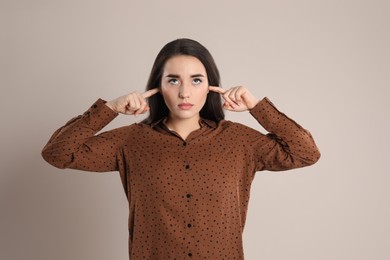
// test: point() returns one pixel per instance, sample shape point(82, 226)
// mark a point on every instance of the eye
point(173, 81)
point(197, 81)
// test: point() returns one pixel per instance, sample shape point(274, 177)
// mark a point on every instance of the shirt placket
point(188, 196)
point(189, 223)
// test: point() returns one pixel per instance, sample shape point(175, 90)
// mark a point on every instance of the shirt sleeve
point(286, 146)
point(75, 145)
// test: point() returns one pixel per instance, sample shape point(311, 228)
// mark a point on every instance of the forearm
point(296, 146)
point(76, 137)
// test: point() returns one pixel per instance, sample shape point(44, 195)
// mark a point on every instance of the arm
point(287, 146)
point(75, 145)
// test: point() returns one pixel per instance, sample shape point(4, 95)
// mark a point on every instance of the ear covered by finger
point(217, 89)
point(150, 92)
point(228, 103)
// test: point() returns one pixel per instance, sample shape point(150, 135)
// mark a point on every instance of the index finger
point(150, 92)
point(217, 89)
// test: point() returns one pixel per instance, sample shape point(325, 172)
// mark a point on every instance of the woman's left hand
point(237, 98)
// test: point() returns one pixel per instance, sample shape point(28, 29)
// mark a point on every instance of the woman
point(185, 170)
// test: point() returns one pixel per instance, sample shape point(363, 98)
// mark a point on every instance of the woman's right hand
point(133, 103)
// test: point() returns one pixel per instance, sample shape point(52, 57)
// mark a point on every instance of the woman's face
point(184, 87)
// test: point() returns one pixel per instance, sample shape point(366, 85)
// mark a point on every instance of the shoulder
point(125, 133)
point(237, 128)
point(226, 124)
point(241, 134)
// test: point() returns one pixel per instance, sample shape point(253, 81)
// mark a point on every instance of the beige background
point(324, 63)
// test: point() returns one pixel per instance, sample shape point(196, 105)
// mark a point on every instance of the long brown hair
point(212, 109)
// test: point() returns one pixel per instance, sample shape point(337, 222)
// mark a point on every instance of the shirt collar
point(202, 121)
point(158, 122)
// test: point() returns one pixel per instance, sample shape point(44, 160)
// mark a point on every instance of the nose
point(184, 90)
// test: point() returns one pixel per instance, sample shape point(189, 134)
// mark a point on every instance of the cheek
point(203, 94)
point(168, 95)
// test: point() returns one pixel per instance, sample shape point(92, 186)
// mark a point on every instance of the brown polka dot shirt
point(188, 199)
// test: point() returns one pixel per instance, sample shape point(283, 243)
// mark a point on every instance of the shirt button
point(188, 195)
point(189, 225)
point(184, 144)
point(189, 254)
point(187, 166)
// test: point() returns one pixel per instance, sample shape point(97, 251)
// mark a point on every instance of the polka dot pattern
point(188, 199)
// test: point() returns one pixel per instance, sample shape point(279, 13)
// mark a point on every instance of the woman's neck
point(183, 126)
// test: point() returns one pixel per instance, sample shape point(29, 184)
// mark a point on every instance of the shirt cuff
point(99, 115)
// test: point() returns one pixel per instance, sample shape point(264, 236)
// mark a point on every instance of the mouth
point(185, 106)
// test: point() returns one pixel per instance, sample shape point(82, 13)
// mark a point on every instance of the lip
point(185, 106)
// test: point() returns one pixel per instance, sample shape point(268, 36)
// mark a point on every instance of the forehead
point(184, 64)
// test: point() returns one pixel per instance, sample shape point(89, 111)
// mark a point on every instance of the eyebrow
point(177, 76)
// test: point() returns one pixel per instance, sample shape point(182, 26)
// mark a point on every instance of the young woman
point(185, 170)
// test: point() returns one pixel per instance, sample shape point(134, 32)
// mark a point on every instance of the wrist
point(110, 105)
point(253, 103)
